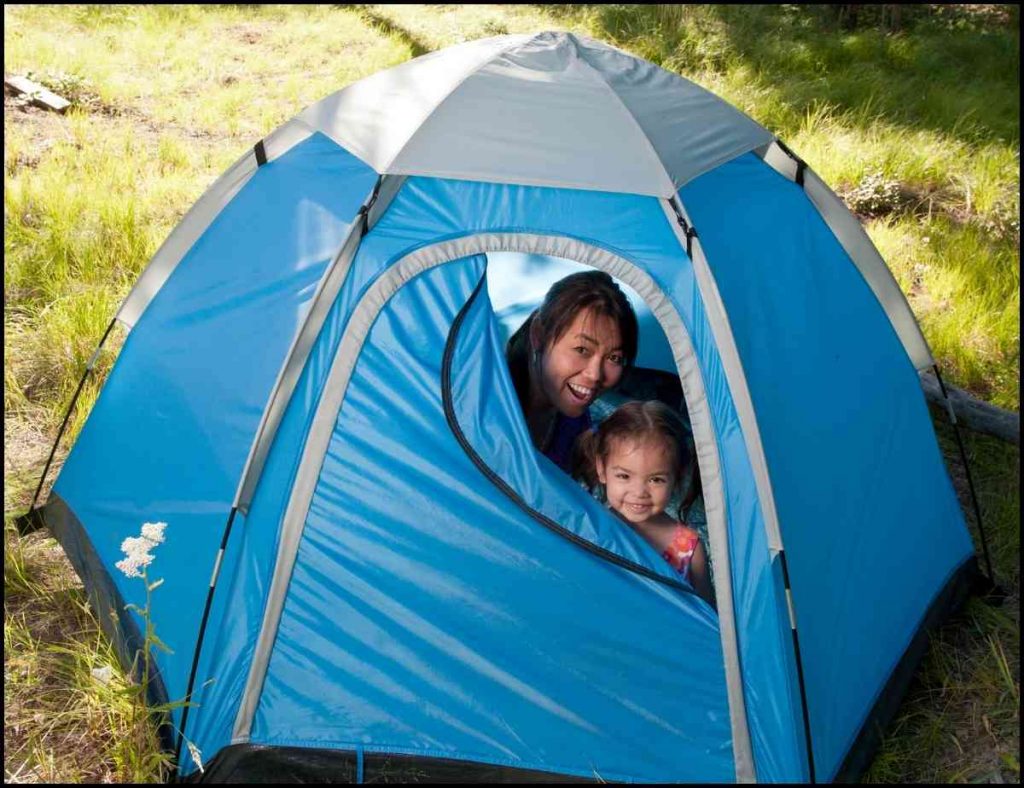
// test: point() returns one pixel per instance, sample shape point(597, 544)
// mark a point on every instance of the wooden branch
point(40, 96)
point(973, 413)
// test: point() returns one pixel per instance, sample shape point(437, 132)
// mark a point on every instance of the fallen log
point(972, 413)
point(39, 95)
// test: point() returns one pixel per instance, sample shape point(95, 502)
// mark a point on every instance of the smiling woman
point(570, 350)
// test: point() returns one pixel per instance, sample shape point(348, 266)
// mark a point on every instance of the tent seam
point(618, 100)
point(472, 72)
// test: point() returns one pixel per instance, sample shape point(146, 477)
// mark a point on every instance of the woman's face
point(581, 364)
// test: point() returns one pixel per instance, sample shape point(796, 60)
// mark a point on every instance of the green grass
point(61, 722)
point(166, 97)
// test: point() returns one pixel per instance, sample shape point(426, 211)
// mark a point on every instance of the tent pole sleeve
point(686, 234)
point(676, 215)
point(67, 416)
point(384, 191)
point(967, 470)
point(722, 330)
point(199, 640)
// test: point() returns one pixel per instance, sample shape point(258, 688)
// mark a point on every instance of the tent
point(370, 573)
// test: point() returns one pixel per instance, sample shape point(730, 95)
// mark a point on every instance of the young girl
point(638, 454)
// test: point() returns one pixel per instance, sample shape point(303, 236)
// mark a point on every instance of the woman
point(574, 347)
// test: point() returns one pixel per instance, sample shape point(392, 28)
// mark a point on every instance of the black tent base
point(31, 521)
point(244, 763)
point(989, 592)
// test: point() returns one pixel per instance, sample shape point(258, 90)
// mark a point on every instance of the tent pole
point(30, 521)
point(199, 639)
point(799, 668)
point(967, 470)
point(384, 191)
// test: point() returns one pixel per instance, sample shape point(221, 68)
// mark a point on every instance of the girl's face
point(639, 477)
point(581, 364)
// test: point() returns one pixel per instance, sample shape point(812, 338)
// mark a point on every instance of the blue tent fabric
point(169, 434)
point(454, 595)
point(635, 227)
point(861, 489)
point(435, 579)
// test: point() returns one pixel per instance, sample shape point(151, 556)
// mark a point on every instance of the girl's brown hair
point(636, 421)
point(567, 297)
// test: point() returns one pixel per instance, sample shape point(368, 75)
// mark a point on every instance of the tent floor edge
point(263, 764)
point(950, 600)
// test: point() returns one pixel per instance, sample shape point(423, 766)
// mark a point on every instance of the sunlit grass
point(259, 65)
point(965, 291)
point(52, 645)
point(81, 226)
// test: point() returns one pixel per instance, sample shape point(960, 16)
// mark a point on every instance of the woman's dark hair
point(636, 421)
point(593, 290)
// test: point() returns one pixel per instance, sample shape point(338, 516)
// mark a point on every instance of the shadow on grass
point(961, 80)
point(389, 27)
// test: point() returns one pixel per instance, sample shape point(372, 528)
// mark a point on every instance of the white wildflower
point(103, 675)
point(154, 532)
point(136, 549)
point(197, 757)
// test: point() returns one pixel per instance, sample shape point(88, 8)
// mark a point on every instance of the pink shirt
point(681, 548)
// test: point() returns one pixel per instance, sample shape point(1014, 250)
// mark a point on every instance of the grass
point(917, 128)
point(64, 721)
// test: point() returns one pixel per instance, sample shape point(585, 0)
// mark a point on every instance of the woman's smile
point(582, 394)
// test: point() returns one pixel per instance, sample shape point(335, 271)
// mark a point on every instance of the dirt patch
point(877, 197)
point(44, 128)
point(248, 34)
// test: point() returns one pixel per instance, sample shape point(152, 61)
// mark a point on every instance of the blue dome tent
point(369, 569)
